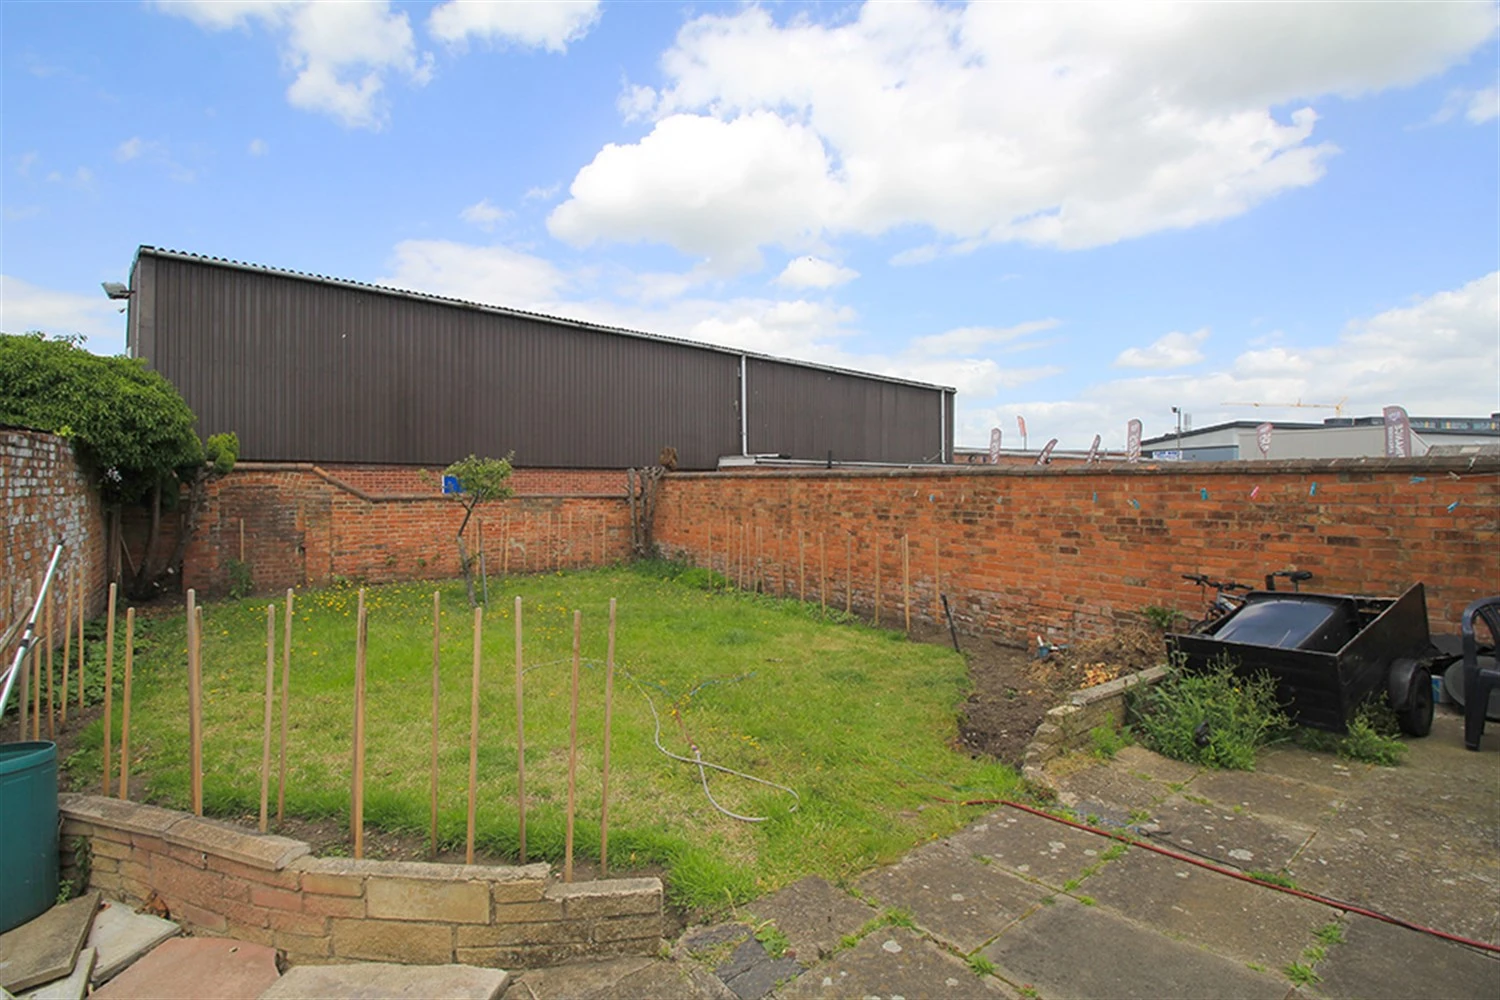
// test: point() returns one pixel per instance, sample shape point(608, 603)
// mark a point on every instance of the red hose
point(1220, 869)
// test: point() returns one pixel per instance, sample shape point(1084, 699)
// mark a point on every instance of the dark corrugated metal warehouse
point(308, 368)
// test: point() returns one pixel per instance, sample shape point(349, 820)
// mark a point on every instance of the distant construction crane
point(1337, 408)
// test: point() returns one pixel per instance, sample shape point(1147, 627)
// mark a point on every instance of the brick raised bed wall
point(1067, 553)
point(219, 879)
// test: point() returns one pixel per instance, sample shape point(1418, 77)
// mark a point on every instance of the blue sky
point(1075, 213)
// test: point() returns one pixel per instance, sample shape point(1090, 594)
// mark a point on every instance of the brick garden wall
point(219, 879)
point(305, 525)
point(46, 496)
point(1069, 552)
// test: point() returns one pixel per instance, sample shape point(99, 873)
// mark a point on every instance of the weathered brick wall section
point(46, 496)
point(304, 525)
point(219, 879)
point(1066, 552)
point(410, 479)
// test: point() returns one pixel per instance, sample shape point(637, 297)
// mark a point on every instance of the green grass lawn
point(857, 720)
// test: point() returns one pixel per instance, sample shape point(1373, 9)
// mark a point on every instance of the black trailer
point(1327, 653)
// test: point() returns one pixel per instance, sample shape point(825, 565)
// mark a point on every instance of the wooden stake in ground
point(67, 647)
point(848, 573)
point(520, 740)
point(286, 684)
point(609, 711)
point(125, 712)
point(877, 581)
point(51, 696)
point(474, 734)
point(357, 813)
point(906, 578)
point(109, 686)
point(437, 624)
point(801, 568)
point(195, 700)
point(242, 539)
point(823, 571)
point(80, 641)
point(572, 750)
point(937, 581)
point(265, 742)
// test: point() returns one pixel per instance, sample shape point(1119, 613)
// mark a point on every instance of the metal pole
point(28, 636)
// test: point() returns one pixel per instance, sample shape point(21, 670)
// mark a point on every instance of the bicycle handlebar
point(1219, 585)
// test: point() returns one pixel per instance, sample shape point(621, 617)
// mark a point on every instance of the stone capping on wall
point(219, 879)
point(1479, 465)
point(1066, 727)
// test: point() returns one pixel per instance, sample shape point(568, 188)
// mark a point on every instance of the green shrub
point(1108, 741)
point(1371, 737)
point(1215, 718)
point(240, 580)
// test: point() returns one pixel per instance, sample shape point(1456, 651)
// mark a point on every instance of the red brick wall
point(1065, 552)
point(409, 479)
point(46, 497)
point(305, 525)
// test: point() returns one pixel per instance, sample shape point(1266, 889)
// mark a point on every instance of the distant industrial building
point(315, 369)
point(1336, 437)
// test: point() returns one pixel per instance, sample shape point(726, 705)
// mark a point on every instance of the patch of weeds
point(1314, 954)
point(1330, 934)
point(64, 890)
point(1371, 737)
point(1216, 717)
point(1162, 618)
point(1092, 819)
point(1176, 786)
point(1071, 884)
point(1197, 799)
point(1115, 850)
point(241, 580)
point(1088, 900)
point(773, 939)
point(1029, 992)
point(981, 966)
point(1108, 741)
point(1301, 975)
point(900, 918)
point(1138, 816)
point(1049, 900)
point(984, 859)
point(1273, 878)
point(1255, 967)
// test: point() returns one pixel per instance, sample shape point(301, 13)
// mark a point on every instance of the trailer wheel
point(1415, 718)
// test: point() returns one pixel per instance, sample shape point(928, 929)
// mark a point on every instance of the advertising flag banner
point(1263, 439)
point(994, 446)
point(1397, 433)
point(1046, 456)
point(1093, 452)
point(1133, 441)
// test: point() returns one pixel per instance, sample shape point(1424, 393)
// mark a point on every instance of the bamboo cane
point(572, 751)
point(823, 571)
point(848, 573)
point(109, 687)
point(34, 665)
point(357, 813)
point(520, 740)
point(286, 685)
point(436, 652)
point(474, 735)
point(937, 580)
point(242, 539)
point(67, 647)
point(906, 578)
point(195, 703)
point(265, 743)
point(801, 569)
point(125, 709)
point(80, 642)
point(609, 705)
point(877, 581)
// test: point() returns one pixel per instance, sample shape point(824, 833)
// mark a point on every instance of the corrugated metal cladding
point(305, 369)
point(809, 412)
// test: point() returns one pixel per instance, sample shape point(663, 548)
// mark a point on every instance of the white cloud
point(129, 149)
point(1066, 125)
point(539, 24)
point(1484, 105)
point(484, 215)
point(156, 153)
point(492, 275)
point(81, 178)
point(814, 272)
point(967, 339)
point(1171, 350)
point(340, 53)
point(25, 307)
point(258, 147)
point(540, 193)
point(1438, 356)
point(26, 161)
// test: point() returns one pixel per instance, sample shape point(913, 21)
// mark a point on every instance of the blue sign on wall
point(450, 485)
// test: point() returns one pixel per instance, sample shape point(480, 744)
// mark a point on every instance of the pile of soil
point(1012, 688)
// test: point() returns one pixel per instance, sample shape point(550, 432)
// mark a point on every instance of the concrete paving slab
point(1112, 793)
point(893, 962)
point(1411, 878)
point(1326, 769)
point(959, 901)
point(196, 969)
point(814, 915)
point(1036, 848)
point(1269, 795)
point(699, 941)
point(1072, 950)
point(633, 978)
point(1236, 919)
point(45, 948)
point(1139, 762)
point(751, 973)
point(1363, 966)
point(1240, 840)
point(74, 986)
point(121, 936)
point(382, 981)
